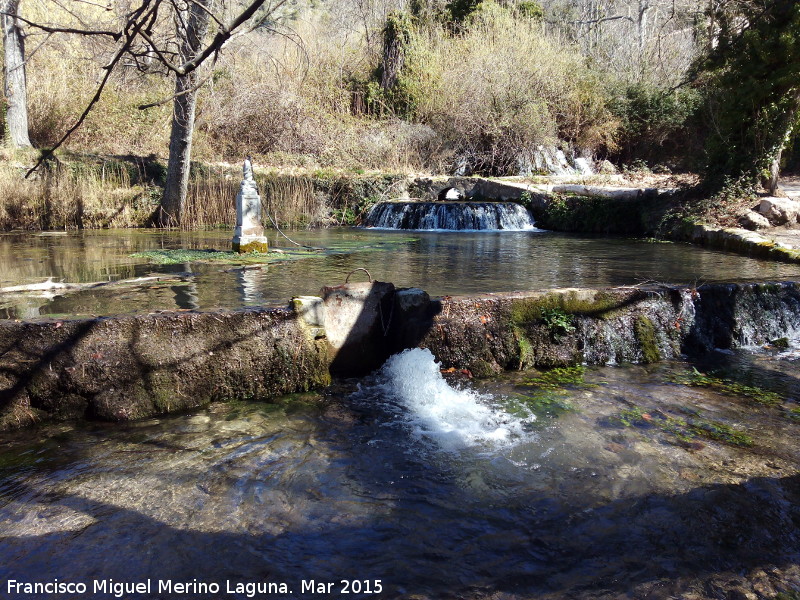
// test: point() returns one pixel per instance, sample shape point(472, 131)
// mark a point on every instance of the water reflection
point(441, 263)
point(186, 296)
point(251, 283)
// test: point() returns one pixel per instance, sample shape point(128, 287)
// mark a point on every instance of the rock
point(779, 211)
point(551, 160)
point(409, 299)
point(607, 168)
point(462, 167)
point(753, 221)
point(311, 312)
point(357, 319)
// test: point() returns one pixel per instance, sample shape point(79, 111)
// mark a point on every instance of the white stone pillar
point(249, 233)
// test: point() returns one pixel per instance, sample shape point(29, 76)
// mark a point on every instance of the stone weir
point(128, 367)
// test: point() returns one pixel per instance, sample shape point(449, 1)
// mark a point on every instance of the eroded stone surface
point(779, 211)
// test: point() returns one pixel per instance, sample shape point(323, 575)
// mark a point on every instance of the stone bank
point(129, 367)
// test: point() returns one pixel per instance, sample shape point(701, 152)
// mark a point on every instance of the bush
point(502, 87)
point(656, 125)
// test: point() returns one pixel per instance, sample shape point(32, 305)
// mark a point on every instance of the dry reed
point(73, 195)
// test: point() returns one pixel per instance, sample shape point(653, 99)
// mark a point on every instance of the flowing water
point(584, 483)
point(617, 482)
point(440, 263)
point(450, 216)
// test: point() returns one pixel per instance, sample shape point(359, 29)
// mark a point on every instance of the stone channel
point(129, 367)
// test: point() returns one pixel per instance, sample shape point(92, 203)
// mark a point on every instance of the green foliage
point(459, 10)
point(530, 9)
point(753, 76)
point(655, 124)
point(596, 214)
point(557, 321)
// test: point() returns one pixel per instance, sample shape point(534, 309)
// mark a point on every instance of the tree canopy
point(752, 75)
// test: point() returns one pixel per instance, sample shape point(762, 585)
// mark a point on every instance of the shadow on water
point(403, 518)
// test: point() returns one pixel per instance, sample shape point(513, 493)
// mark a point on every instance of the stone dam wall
point(129, 367)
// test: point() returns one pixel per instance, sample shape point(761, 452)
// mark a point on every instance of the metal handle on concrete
point(358, 269)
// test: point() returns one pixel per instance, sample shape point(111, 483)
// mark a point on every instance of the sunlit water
point(437, 488)
point(440, 263)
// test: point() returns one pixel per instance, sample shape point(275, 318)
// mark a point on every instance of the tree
point(191, 25)
point(14, 78)
point(753, 71)
point(139, 39)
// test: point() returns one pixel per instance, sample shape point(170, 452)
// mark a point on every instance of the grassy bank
point(80, 191)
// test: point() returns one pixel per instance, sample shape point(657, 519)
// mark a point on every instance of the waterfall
point(450, 216)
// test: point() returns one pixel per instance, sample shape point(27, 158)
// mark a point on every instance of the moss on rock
point(645, 333)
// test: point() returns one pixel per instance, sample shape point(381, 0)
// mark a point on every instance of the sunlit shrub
point(502, 87)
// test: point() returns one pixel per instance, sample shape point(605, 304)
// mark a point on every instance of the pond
point(440, 263)
point(644, 481)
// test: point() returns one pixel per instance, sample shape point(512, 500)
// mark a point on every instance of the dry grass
point(290, 200)
point(495, 95)
point(74, 195)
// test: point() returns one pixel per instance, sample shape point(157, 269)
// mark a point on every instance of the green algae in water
point(560, 377)
point(731, 388)
point(684, 431)
point(645, 333)
point(540, 404)
point(176, 257)
point(181, 256)
point(547, 393)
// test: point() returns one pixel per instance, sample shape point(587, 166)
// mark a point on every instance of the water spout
point(411, 385)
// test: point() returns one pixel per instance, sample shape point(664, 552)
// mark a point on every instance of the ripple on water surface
point(440, 263)
point(581, 482)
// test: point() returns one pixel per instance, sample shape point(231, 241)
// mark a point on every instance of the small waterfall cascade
point(410, 385)
point(450, 216)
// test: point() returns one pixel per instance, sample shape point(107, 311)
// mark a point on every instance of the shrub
point(502, 87)
point(656, 125)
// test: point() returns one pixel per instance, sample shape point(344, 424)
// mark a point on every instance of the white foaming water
point(434, 410)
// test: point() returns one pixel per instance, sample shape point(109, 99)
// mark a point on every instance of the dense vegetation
point(438, 86)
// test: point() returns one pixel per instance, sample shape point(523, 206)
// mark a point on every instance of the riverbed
point(605, 482)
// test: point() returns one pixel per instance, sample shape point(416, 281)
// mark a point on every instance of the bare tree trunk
point(191, 23)
point(15, 84)
point(786, 128)
point(641, 27)
point(770, 182)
